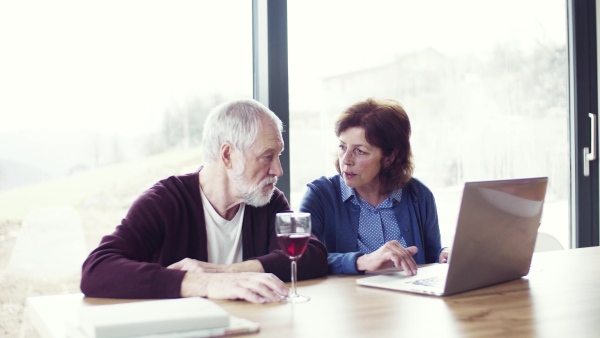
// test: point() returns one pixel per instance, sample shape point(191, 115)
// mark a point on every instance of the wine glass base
point(296, 299)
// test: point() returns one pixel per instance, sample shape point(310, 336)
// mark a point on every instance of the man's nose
point(275, 168)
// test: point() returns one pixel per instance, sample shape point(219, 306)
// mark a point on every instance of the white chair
point(546, 242)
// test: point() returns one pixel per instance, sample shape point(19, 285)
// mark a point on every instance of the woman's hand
point(390, 254)
point(444, 255)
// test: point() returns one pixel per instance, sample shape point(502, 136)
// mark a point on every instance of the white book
point(151, 317)
point(236, 326)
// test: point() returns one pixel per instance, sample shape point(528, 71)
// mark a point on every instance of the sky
point(117, 66)
point(333, 37)
point(364, 32)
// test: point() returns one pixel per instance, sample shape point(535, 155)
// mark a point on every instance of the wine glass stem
point(294, 278)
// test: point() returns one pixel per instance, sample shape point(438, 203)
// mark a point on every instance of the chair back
point(546, 242)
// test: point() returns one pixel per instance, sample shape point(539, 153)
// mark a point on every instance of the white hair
point(237, 122)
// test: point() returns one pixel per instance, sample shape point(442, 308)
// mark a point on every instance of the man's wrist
point(194, 284)
point(252, 265)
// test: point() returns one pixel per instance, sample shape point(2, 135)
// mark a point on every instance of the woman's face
point(360, 162)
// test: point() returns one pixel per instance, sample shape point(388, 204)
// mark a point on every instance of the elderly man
point(210, 233)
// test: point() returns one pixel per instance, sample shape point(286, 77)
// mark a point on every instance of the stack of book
point(184, 317)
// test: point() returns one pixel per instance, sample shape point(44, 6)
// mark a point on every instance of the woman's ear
point(388, 160)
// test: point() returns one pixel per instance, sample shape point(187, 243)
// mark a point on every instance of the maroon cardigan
point(165, 225)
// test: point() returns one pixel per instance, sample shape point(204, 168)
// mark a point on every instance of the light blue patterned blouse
point(377, 225)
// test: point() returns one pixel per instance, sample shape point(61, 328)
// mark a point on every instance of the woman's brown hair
point(387, 127)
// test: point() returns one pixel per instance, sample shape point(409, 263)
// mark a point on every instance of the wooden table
point(559, 298)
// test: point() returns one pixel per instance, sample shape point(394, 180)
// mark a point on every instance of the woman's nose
point(346, 158)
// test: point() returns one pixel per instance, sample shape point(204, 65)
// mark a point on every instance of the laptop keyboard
point(431, 281)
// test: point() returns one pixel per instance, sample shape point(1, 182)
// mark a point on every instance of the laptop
point(494, 241)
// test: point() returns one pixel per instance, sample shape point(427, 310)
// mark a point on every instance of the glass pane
point(99, 101)
point(484, 83)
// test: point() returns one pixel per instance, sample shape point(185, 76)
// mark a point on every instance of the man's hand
point(390, 254)
point(245, 280)
point(250, 286)
point(189, 264)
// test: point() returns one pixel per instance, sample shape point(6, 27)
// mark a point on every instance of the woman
point(374, 214)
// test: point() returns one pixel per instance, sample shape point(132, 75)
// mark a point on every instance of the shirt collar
point(348, 192)
point(396, 195)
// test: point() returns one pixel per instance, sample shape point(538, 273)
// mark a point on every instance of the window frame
point(270, 60)
point(583, 89)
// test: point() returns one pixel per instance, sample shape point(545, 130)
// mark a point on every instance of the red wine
point(293, 244)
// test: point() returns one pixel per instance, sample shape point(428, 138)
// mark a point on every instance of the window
point(485, 85)
point(99, 101)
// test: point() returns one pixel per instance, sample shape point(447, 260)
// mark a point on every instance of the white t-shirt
point(223, 236)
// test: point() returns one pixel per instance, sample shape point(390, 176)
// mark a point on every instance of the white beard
point(253, 194)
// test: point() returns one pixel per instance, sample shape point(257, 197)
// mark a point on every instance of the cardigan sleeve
point(320, 201)
point(343, 263)
point(429, 228)
point(432, 231)
point(123, 265)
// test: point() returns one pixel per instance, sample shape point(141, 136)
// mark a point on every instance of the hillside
point(47, 228)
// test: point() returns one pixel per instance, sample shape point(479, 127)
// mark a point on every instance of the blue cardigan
point(335, 222)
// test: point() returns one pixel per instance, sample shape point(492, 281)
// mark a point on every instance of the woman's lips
point(349, 175)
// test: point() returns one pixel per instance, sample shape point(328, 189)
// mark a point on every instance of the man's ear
point(226, 153)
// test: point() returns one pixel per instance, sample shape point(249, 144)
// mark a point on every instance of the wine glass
point(293, 231)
